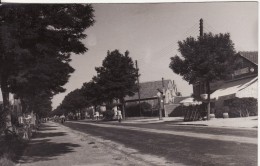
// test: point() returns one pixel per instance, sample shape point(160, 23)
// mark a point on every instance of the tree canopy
point(115, 79)
point(206, 58)
point(36, 44)
point(117, 76)
point(93, 92)
point(74, 101)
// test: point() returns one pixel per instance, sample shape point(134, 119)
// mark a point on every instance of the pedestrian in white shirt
point(97, 115)
point(119, 115)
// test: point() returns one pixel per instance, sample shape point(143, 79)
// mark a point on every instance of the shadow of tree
point(43, 147)
point(49, 134)
point(42, 150)
point(179, 149)
point(44, 125)
point(47, 129)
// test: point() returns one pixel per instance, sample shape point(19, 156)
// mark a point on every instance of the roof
point(148, 89)
point(230, 89)
point(178, 99)
point(190, 101)
point(252, 56)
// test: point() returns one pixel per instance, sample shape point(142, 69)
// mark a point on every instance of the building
point(242, 83)
point(15, 103)
point(149, 90)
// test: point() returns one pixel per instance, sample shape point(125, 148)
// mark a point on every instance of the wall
point(250, 91)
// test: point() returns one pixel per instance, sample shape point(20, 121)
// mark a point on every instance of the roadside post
point(159, 95)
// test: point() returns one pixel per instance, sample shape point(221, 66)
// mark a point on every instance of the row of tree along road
point(36, 46)
point(115, 79)
point(36, 43)
point(205, 59)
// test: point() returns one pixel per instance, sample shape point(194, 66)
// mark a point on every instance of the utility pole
point(136, 66)
point(201, 27)
point(160, 105)
point(207, 84)
point(162, 99)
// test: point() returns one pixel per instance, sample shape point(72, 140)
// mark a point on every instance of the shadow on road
point(50, 134)
point(185, 150)
point(44, 125)
point(45, 150)
point(47, 146)
point(47, 129)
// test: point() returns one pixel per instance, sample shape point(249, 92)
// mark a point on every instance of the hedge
point(146, 110)
point(242, 107)
point(181, 110)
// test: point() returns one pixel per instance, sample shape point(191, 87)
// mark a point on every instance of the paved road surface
point(185, 145)
point(56, 145)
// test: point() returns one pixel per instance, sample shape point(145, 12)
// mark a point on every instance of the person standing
point(119, 115)
point(97, 115)
point(62, 117)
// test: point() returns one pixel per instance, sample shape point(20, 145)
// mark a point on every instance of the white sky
point(151, 31)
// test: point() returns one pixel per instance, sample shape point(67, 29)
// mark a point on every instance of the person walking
point(97, 115)
point(62, 117)
point(119, 115)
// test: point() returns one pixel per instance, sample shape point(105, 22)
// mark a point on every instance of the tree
point(36, 42)
point(243, 106)
point(74, 102)
point(41, 105)
point(117, 76)
point(205, 59)
point(94, 93)
point(47, 77)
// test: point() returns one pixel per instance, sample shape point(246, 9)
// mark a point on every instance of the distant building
point(149, 90)
point(15, 103)
point(242, 83)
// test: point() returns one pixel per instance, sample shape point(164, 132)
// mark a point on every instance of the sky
point(150, 33)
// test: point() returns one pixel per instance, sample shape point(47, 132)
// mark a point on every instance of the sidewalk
point(58, 145)
point(237, 123)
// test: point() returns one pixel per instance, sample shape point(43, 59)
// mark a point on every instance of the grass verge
point(11, 150)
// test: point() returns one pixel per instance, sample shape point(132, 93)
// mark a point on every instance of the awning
point(231, 89)
point(190, 101)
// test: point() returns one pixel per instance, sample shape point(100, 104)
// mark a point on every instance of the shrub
point(242, 107)
point(6, 161)
point(182, 110)
point(11, 150)
point(2, 119)
point(146, 110)
point(178, 111)
point(108, 114)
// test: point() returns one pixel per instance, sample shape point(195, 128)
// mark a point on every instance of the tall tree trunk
point(6, 103)
point(208, 100)
point(24, 106)
point(247, 113)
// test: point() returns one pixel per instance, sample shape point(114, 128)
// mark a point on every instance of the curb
point(220, 127)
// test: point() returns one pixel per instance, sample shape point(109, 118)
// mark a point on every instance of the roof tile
point(148, 89)
point(250, 55)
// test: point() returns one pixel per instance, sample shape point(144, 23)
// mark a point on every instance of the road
point(179, 145)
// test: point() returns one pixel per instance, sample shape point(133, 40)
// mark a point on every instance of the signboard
point(241, 71)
